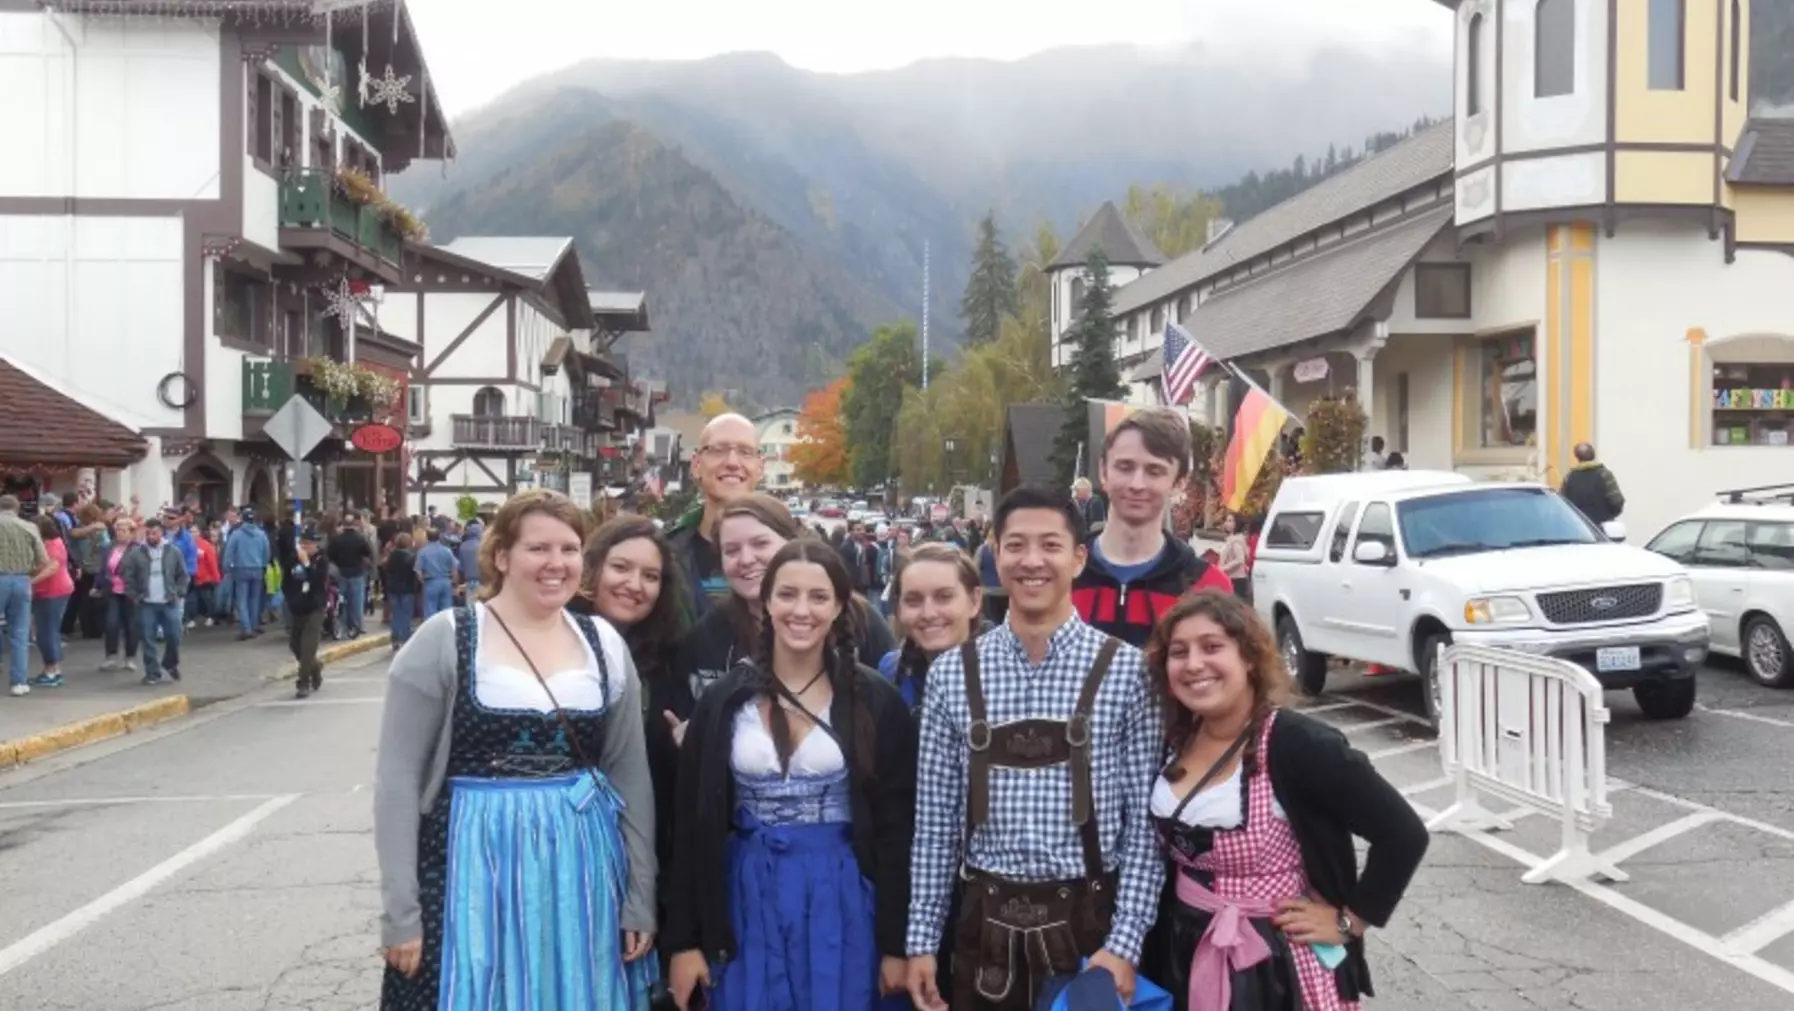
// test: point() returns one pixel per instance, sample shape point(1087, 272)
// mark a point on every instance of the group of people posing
point(701, 770)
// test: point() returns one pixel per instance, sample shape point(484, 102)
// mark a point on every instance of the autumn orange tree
point(820, 453)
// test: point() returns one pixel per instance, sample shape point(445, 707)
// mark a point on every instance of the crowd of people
point(139, 581)
point(703, 768)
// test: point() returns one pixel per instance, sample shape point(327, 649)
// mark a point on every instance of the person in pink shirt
point(49, 602)
point(121, 614)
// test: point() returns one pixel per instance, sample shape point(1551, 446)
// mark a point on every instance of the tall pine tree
point(1094, 375)
point(990, 293)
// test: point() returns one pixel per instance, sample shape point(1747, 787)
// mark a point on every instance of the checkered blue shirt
point(1029, 835)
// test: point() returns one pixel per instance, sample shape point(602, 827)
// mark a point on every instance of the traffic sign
point(297, 427)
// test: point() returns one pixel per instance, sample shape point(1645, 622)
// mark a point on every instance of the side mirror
point(1372, 553)
point(1615, 531)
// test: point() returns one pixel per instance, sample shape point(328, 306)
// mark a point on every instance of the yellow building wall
point(1664, 177)
point(1764, 215)
point(1667, 117)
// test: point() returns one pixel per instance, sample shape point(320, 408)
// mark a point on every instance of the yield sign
point(297, 427)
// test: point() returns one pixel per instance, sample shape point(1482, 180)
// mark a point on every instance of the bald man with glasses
point(726, 465)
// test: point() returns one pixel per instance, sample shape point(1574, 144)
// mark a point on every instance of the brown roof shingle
point(41, 427)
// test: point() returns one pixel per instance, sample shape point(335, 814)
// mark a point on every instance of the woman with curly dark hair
point(796, 799)
point(1257, 808)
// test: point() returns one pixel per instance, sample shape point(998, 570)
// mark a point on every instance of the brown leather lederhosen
point(1012, 936)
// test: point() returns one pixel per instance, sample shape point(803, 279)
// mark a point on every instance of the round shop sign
point(376, 438)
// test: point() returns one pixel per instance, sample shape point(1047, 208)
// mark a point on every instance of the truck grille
point(1605, 603)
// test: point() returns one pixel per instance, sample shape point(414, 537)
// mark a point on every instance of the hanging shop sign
point(1311, 371)
point(376, 438)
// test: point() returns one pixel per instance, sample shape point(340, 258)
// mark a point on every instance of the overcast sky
point(477, 49)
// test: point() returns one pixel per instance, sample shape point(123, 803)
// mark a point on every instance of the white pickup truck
point(1385, 567)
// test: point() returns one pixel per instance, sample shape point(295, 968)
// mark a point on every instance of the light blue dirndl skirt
point(537, 875)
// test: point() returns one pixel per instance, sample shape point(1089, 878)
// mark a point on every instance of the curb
point(97, 728)
point(334, 652)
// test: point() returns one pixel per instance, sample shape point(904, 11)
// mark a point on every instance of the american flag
point(1185, 361)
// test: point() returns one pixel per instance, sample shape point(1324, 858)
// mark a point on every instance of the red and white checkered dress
point(1261, 860)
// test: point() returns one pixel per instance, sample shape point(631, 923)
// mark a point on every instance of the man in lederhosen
point(1039, 744)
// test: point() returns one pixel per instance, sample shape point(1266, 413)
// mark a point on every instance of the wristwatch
point(1345, 925)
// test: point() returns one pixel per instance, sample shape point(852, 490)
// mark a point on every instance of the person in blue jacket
point(247, 553)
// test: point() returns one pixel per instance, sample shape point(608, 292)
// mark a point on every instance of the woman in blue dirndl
point(796, 787)
point(513, 807)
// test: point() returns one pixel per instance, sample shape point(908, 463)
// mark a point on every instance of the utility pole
point(925, 264)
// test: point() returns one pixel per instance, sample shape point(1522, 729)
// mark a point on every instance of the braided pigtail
point(912, 665)
point(778, 720)
point(845, 641)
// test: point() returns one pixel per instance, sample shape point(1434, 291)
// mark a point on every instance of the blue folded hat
point(1094, 990)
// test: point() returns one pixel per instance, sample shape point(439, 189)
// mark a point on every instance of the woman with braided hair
point(796, 798)
point(1256, 810)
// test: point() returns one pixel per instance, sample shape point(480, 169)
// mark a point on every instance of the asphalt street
point(225, 862)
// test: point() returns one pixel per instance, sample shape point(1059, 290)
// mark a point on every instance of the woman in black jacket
point(796, 801)
point(633, 581)
point(1257, 809)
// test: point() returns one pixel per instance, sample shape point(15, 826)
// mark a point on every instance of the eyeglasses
point(725, 451)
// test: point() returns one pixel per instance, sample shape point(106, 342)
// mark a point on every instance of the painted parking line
point(50, 935)
point(1739, 714)
point(1718, 948)
point(1761, 932)
point(220, 798)
point(1658, 836)
point(1354, 728)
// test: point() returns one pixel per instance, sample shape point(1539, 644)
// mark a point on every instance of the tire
point(1665, 700)
point(1767, 658)
point(1428, 662)
point(1309, 669)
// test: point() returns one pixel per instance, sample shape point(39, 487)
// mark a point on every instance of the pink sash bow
point(1229, 945)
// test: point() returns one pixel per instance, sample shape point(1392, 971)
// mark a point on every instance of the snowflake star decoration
point(331, 97)
point(341, 304)
point(390, 91)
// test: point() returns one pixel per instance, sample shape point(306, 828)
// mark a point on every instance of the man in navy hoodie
point(1137, 570)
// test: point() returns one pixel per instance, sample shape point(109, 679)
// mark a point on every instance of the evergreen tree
point(990, 292)
point(1093, 373)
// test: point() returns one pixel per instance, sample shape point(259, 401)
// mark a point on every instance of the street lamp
point(949, 447)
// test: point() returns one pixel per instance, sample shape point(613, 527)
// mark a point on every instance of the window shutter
point(277, 133)
point(251, 122)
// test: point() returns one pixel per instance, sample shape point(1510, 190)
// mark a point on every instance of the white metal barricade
point(1531, 730)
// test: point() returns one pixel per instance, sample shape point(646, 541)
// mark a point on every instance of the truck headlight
point(1678, 594)
point(1496, 611)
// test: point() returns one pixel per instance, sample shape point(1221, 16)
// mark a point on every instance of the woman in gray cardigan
point(514, 813)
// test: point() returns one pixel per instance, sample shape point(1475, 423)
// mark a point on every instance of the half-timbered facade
point(222, 182)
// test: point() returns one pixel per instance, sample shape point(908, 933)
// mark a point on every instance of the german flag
point(1257, 422)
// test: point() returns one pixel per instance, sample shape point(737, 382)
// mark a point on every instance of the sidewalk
point(93, 704)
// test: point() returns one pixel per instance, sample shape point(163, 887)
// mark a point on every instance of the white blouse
point(578, 689)
point(1217, 807)
point(753, 752)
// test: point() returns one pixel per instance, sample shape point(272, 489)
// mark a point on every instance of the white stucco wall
point(1654, 283)
point(96, 304)
point(113, 109)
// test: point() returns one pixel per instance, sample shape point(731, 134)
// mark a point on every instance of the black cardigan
point(1331, 793)
point(883, 801)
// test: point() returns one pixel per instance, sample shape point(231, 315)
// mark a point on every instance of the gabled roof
point(46, 427)
point(532, 256)
point(1316, 296)
point(1765, 155)
point(620, 311)
point(548, 265)
point(1423, 157)
point(1107, 230)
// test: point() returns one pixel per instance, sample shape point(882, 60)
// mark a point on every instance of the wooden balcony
point(566, 439)
point(502, 433)
point(314, 214)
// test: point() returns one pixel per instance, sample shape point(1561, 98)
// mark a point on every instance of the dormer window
point(1473, 63)
point(1554, 49)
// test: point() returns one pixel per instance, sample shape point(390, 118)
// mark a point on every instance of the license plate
point(1616, 658)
